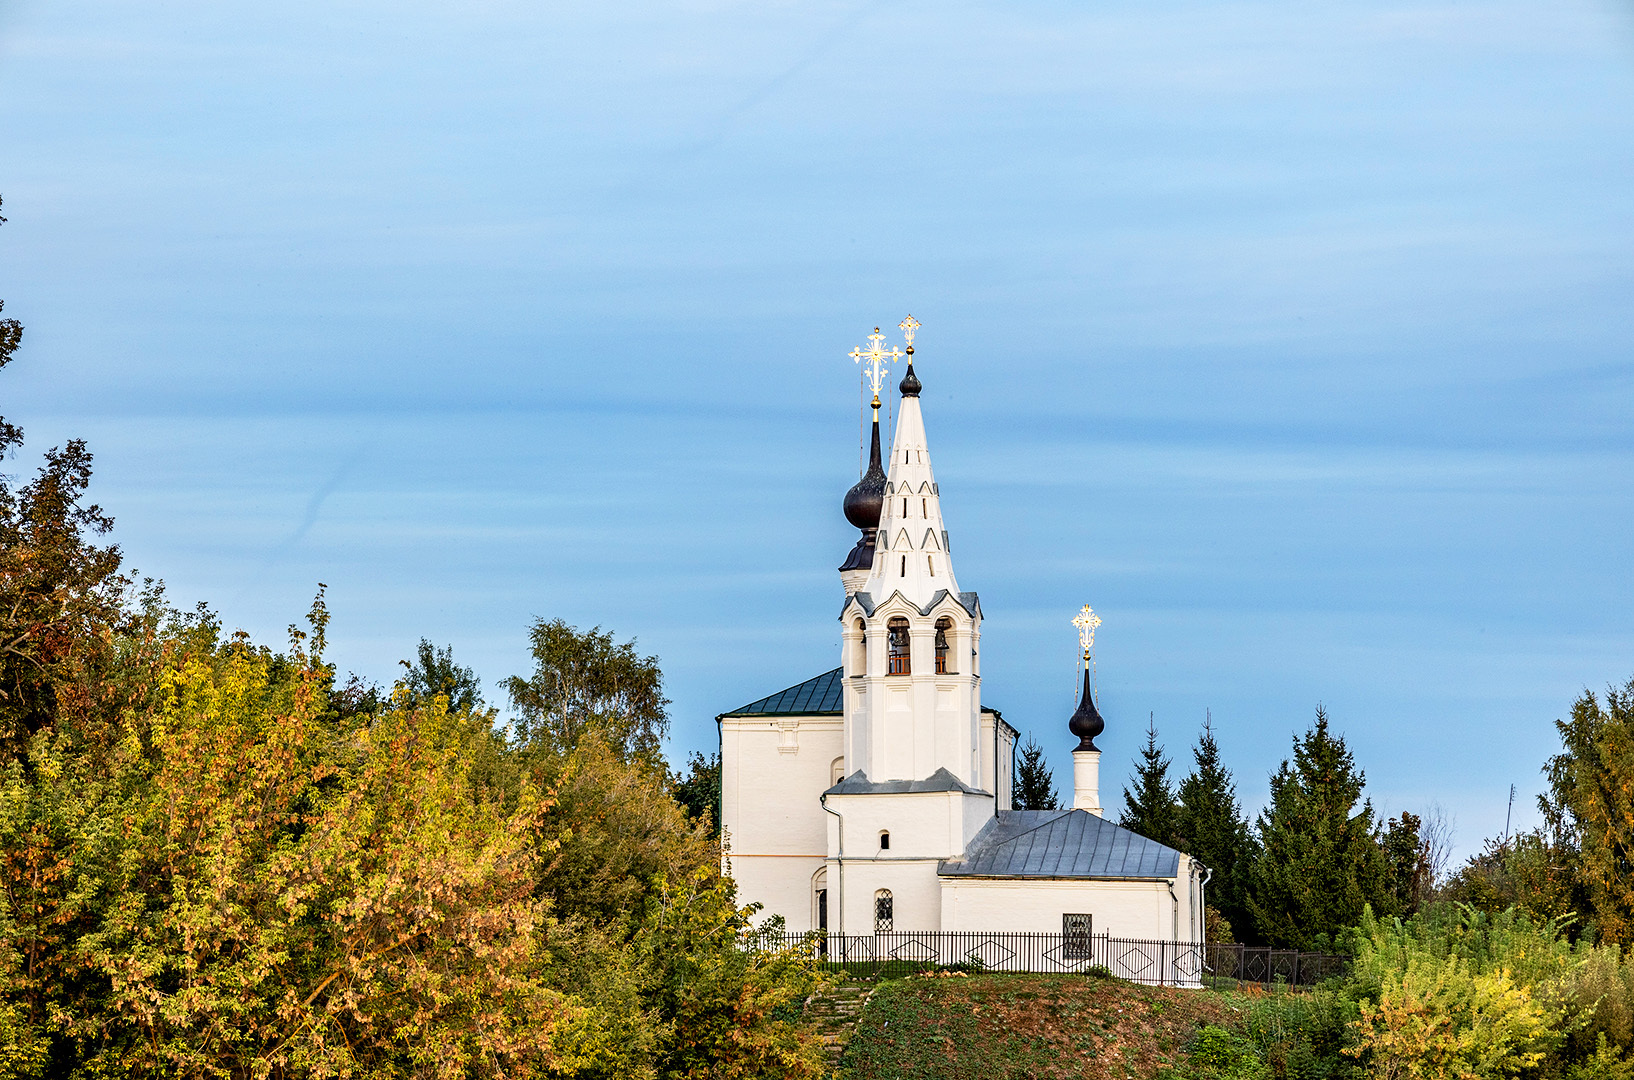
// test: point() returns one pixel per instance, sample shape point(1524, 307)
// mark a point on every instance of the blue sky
point(1295, 339)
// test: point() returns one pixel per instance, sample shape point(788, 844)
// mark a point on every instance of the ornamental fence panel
point(1152, 962)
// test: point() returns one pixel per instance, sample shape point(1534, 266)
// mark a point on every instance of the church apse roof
point(1061, 844)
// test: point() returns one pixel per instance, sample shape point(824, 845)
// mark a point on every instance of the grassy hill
point(1017, 1027)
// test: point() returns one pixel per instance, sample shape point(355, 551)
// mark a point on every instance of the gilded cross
point(908, 326)
point(1086, 621)
point(879, 362)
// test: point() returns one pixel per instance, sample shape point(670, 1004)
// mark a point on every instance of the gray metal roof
point(818, 696)
point(940, 780)
point(967, 600)
point(1061, 844)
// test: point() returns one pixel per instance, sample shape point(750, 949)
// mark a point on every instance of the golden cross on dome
point(879, 361)
point(908, 326)
point(1086, 621)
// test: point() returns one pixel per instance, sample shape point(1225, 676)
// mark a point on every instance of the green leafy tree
point(584, 683)
point(1034, 786)
point(1530, 872)
point(1590, 806)
point(62, 597)
point(615, 829)
point(699, 789)
point(1209, 826)
point(1149, 803)
point(1319, 863)
point(1409, 878)
point(248, 890)
point(434, 672)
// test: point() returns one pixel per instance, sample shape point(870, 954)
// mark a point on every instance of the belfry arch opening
point(859, 651)
point(944, 652)
point(896, 641)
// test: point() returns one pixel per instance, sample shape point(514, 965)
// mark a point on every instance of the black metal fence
point(1155, 963)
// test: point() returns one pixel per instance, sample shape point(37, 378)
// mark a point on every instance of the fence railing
point(1153, 962)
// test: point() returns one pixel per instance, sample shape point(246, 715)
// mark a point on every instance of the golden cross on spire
point(908, 326)
point(879, 361)
point(1086, 621)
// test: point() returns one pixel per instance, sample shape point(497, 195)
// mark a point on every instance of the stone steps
point(833, 1013)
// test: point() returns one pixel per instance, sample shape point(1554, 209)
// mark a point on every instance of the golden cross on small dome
point(1086, 621)
point(908, 326)
point(879, 361)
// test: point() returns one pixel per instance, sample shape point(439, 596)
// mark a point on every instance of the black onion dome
point(910, 382)
point(1086, 723)
point(865, 502)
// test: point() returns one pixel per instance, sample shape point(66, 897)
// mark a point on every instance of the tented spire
point(912, 552)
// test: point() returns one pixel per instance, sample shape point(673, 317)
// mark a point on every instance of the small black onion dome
point(910, 383)
point(1086, 723)
point(865, 502)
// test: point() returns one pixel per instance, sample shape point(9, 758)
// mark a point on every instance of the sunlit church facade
point(876, 796)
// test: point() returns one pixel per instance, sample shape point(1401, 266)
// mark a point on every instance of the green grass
point(1021, 1027)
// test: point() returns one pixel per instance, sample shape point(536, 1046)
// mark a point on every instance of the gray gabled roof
point(1061, 844)
point(940, 780)
point(819, 696)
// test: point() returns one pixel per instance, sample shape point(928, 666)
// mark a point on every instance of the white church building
point(876, 796)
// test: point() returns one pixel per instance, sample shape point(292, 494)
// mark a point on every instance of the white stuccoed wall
point(925, 828)
point(1127, 909)
point(773, 772)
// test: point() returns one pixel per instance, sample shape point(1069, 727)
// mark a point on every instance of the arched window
point(884, 840)
point(896, 638)
point(836, 771)
point(859, 658)
point(884, 912)
point(944, 626)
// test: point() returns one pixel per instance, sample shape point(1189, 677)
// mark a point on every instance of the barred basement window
point(1076, 940)
point(884, 912)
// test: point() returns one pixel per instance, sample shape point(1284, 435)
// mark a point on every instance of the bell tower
point(911, 637)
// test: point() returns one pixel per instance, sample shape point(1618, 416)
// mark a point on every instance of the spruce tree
point(1149, 807)
point(1319, 861)
point(1034, 787)
point(1210, 827)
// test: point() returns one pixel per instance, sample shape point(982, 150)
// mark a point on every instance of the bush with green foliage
point(1456, 991)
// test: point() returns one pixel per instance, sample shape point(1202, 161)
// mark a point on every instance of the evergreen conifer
point(1034, 787)
point(1210, 827)
point(1320, 861)
point(1149, 807)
